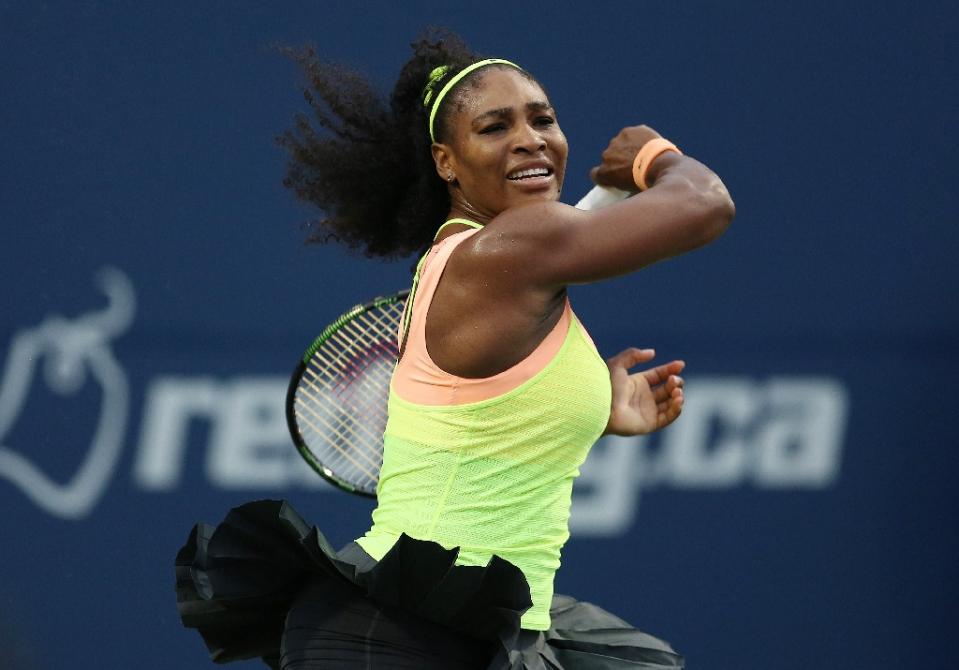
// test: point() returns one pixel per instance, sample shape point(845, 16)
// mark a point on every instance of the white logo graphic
point(71, 350)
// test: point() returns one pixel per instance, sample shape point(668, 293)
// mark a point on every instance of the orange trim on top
point(418, 379)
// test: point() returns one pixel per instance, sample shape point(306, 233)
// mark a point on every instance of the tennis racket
point(337, 399)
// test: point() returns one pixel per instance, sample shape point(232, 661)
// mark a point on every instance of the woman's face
point(504, 145)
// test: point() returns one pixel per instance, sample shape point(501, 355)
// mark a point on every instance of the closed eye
point(492, 128)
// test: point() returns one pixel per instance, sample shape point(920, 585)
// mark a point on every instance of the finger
point(667, 398)
point(672, 411)
point(672, 396)
point(630, 357)
point(663, 392)
point(599, 175)
point(661, 373)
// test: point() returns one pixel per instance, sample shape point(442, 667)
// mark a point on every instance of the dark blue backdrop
point(156, 292)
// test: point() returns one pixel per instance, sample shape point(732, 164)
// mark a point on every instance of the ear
point(444, 161)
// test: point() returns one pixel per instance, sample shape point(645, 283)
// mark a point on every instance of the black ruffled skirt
point(237, 582)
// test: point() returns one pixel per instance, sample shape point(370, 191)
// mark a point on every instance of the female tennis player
point(498, 393)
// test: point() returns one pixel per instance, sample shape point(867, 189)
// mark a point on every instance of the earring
point(449, 177)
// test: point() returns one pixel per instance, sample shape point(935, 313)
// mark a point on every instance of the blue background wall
point(800, 514)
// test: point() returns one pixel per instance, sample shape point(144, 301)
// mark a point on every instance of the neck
point(451, 228)
point(460, 208)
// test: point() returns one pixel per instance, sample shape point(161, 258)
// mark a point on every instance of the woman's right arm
point(685, 207)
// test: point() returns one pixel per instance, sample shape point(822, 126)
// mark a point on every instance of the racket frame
point(300, 370)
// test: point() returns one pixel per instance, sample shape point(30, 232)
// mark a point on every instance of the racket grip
point(601, 196)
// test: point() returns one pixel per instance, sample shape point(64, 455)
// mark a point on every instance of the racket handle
point(601, 196)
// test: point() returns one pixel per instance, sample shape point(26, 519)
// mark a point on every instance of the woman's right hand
point(617, 167)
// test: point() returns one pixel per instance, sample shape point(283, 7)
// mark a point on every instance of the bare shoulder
point(519, 234)
point(487, 312)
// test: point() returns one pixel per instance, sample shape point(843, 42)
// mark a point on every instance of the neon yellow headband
point(438, 74)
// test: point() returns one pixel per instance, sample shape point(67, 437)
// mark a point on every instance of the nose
point(529, 140)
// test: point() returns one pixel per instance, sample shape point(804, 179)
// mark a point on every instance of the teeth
point(532, 172)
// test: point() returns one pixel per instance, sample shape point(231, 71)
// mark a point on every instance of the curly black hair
point(368, 165)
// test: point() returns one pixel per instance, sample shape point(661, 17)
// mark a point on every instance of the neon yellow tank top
point(495, 476)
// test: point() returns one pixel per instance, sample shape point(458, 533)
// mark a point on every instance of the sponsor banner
point(774, 434)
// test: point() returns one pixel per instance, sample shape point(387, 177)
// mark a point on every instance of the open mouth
point(530, 174)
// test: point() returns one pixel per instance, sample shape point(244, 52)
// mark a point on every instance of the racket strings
point(337, 434)
point(344, 425)
point(374, 340)
point(342, 419)
point(341, 399)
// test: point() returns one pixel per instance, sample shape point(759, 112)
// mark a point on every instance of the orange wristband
point(650, 152)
